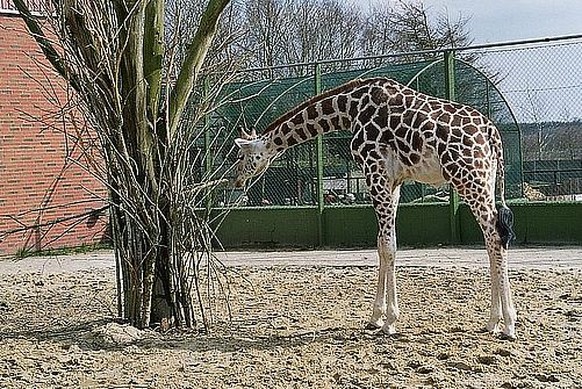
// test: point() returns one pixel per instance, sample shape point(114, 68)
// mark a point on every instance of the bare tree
point(297, 31)
point(405, 26)
point(304, 25)
point(377, 33)
point(267, 23)
point(338, 28)
point(134, 92)
point(568, 139)
point(536, 146)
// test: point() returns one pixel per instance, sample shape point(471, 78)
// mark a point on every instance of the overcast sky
point(508, 20)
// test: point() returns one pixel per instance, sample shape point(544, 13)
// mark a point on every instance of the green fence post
point(455, 220)
point(319, 166)
point(208, 161)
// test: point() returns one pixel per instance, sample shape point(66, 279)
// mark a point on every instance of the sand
point(297, 321)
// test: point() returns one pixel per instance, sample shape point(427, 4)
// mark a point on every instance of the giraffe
point(400, 134)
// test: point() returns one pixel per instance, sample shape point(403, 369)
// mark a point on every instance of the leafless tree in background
point(322, 29)
point(296, 31)
point(266, 23)
point(402, 26)
point(377, 33)
point(536, 147)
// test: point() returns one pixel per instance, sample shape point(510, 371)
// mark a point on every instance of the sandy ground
point(297, 322)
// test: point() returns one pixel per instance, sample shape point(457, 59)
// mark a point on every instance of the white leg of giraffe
point(385, 310)
point(483, 207)
point(495, 315)
point(509, 313)
point(501, 301)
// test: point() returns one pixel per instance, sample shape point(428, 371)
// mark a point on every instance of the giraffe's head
point(253, 157)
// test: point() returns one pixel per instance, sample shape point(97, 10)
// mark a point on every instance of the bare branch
point(195, 58)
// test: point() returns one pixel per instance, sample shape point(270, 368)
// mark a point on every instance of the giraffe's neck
point(331, 111)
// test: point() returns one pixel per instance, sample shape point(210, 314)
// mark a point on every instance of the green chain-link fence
point(543, 84)
point(532, 91)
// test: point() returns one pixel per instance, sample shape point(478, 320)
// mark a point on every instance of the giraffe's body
point(400, 134)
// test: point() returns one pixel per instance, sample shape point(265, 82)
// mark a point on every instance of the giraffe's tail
point(504, 222)
point(505, 225)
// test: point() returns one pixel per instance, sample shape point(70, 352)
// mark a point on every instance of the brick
point(31, 154)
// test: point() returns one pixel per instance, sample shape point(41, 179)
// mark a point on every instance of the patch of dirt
point(297, 327)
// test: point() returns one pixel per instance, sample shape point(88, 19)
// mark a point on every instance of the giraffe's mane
point(337, 90)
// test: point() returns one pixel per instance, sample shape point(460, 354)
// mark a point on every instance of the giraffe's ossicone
point(400, 134)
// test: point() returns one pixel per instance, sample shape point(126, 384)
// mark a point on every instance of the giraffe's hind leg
point(482, 204)
point(501, 301)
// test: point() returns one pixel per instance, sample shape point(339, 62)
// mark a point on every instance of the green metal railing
point(320, 165)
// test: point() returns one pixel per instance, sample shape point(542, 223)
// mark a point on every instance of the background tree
point(322, 29)
point(133, 90)
point(266, 23)
point(296, 31)
point(415, 28)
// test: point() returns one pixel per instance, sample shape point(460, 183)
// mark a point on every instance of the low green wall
point(350, 226)
point(417, 225)
point(425, 224)
point(534, 223)
point(551, 223)
point(269, 227)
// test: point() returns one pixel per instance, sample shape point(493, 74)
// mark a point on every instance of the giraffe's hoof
point(390, 335)
point(370, 326)
point(493, 326)
point(389, 329)
point(504, 336)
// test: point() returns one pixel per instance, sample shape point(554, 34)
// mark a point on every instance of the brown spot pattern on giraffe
point(378, 95)
point(327, 107)
point(312, 112)
point(297, 119)
point(342, 103)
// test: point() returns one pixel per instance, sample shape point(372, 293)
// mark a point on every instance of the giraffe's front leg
point(387, 252)
point(385, 194)
point(385, 310)
point(379, 307)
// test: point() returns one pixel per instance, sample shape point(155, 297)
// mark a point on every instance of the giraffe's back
point(421, 137)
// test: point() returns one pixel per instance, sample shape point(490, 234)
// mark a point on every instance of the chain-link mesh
point(542, 84)
point(532, 93)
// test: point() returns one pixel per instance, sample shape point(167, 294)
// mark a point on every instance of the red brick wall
point(34, 171)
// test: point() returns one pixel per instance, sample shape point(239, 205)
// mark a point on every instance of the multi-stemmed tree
point(133, 91)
